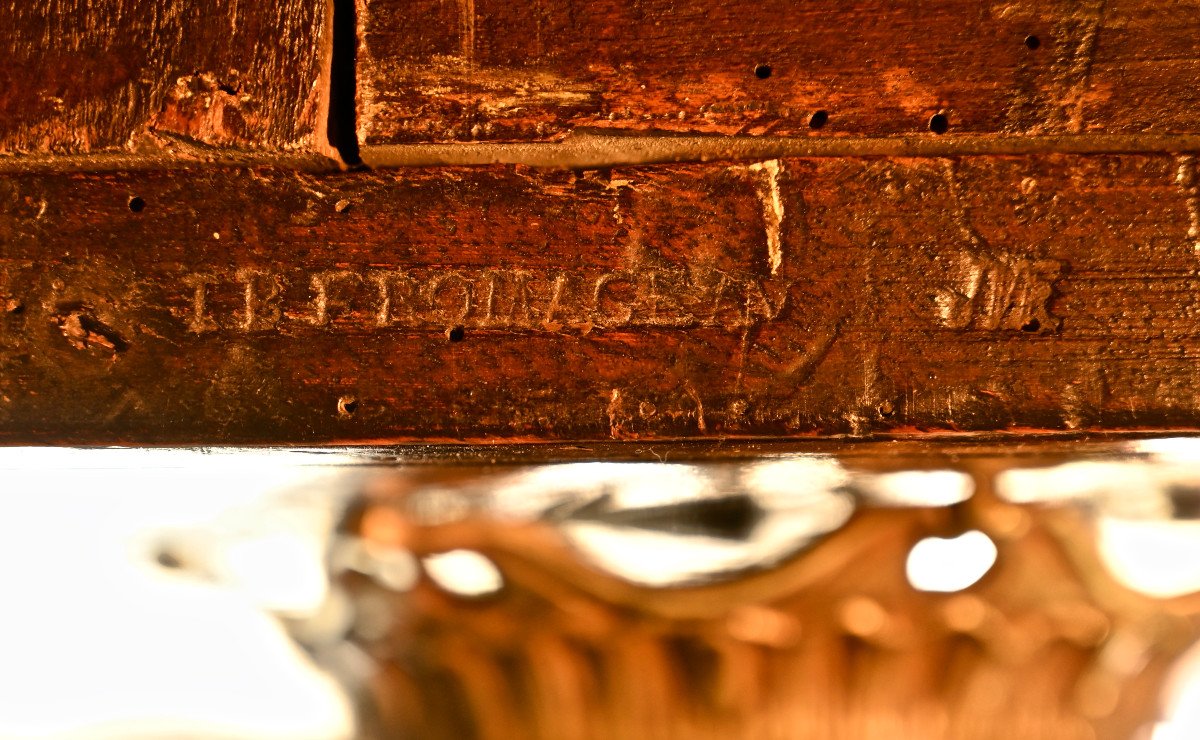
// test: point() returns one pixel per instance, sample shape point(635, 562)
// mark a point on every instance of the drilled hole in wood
point(1032, 42)
point(1032, 326)
point(762, 71)
point(939, 123)
point(136, 204)
point(818, 119)
point(347, 405)
point(457, 334)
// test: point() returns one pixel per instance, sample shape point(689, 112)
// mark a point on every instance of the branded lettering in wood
point(813, 296)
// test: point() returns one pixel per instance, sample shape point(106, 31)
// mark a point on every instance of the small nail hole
point(763, 71)
point(456, 334)
point(1032, 42)
point(347, 405)
point(1032, 326)
point(136, 204)
point(939, 123)
point(818, 119)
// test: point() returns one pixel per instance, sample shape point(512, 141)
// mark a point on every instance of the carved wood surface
point(787, 297)
point(105, 74)
point(433, 70)
point(200, 276)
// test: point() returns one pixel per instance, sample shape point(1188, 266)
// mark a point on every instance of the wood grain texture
point(82, 76)
point(463, 70)
point(788, 298)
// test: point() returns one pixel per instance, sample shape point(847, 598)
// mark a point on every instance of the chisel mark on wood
point(993, 289)
point(801, 370)
point(556, 297)
point(701, 425)
point(1074, 65)
point(614, 413)
point(84, 331)
point(468, 32)
point(871, 395)
point(959, 210)
point(130, 400)
point(772, 202)
point(1189, 186)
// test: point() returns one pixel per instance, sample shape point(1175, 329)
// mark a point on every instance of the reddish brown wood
point(84, 76)
point(435, 70)
point(790, 298)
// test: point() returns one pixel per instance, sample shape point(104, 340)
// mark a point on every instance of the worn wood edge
point(495, 71)
point(320, 133)
point(936, 445)
point(589, 150)
point(314, 162)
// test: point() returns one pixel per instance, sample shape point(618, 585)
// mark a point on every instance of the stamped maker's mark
point(497, 299)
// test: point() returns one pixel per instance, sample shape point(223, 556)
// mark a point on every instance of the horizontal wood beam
point(493, 70)
point(789, 298)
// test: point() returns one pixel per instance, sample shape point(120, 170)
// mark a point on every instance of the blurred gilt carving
point(833, 642)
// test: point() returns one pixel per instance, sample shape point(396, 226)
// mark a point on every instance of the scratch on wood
point(468, 32)
point(801, 371)
point(960, 300)
point(129, 400)
point(700, 423)
point(772, 202)
point(961, 219)
point(1189, 185)
point(614, 413)
point(743, 353)
point(555, 298)
point(872, 378)
point(1078, 62)
point(1082, 397)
